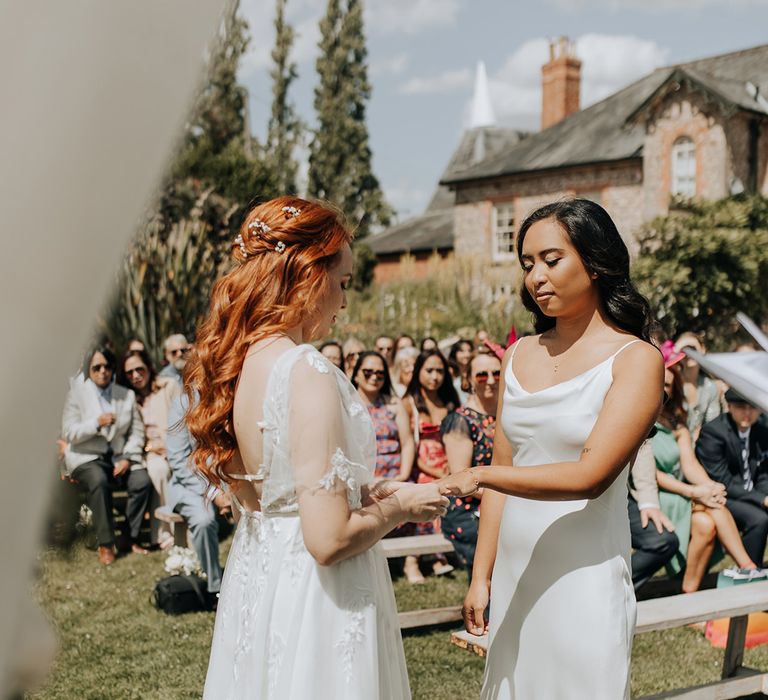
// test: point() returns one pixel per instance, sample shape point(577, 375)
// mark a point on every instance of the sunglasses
point(101, 368)
point(179, 351)
point(136, 370)
point(482, 377)
point(368, 373)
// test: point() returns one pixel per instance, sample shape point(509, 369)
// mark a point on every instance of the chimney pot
point(561, 82)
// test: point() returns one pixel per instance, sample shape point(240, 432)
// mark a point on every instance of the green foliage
point(340, 167)
point(458, 297)
point(284, 126)
point(703, 263)
point(166, 278)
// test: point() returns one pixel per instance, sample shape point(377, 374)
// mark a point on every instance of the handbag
point(179, 594)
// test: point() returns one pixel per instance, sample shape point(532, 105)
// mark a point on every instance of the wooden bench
point(166, 515)
point(676, 611)
point(418, 545)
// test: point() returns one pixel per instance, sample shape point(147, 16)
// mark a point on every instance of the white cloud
point(410, 16)
point(407, 199)
point(394, 65)
point(608, 63)
point(648, 5)
point(446, 82)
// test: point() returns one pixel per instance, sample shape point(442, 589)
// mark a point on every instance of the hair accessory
point(291, 211)
point(259, 225)
point(239, 241)
point(280, 247)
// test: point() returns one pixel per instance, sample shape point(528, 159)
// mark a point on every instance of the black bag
point(179, 594)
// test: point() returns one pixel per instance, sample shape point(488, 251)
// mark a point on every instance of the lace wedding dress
point(286, 627)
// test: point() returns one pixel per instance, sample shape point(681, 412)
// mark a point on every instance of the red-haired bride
point(306, 607)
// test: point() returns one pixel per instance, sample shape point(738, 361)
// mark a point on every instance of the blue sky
point(422, 56)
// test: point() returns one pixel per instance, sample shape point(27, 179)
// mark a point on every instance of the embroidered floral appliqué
point(274, 657)
point(318, 362)
point(343, 470)
point(353, 636)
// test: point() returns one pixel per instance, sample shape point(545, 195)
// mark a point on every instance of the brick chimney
point(560, 82)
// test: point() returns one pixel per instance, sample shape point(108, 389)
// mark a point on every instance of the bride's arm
point(318, 450)
point(630, 408)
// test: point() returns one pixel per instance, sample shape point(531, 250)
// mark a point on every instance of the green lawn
point(114, 644)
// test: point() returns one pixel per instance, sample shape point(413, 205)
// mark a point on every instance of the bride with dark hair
point(575, 403)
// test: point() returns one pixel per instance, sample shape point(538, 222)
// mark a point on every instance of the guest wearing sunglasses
point(395, 449)
point(104, 438)
point(176, 349)
point(154, 395)
point(468, 437)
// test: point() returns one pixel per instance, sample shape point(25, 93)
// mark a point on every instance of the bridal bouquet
point(182, 560)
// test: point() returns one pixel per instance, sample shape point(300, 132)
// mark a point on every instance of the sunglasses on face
point(136, 370)
point(482, 377)
point(368, 373)
point(178, 351)
point(100, 368)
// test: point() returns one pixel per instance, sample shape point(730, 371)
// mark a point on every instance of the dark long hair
point(143, 355)
point(604, 253)
point(386, 387)
point(674, 406)
point(446, 392)
point(109, 356)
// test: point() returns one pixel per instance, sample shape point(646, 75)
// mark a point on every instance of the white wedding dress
point(562, 602)
point(286, 627)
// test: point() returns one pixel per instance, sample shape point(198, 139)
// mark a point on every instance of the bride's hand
point(463, 483)
point(473, 610)
point(380, 490)
point(421, 503)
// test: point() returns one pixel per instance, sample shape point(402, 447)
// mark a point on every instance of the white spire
point(482, 110)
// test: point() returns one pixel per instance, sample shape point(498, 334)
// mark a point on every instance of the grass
point(114, 644)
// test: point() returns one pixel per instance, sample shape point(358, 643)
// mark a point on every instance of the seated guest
point(395, 450)
point(186, 495)
point(689, 497)
point(352, 349)
point(333, 352)
point(104, 437)
point(429, 343)
point(404, 341)
point(702, 396)
point(468, 438)
point(175, 351)
point(385, 346)
point(153, 396)
point(405, 360)
point(653, 546)
point(460, 356)
point(734, 450)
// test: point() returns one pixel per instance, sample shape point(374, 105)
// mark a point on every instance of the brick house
point(697, 129)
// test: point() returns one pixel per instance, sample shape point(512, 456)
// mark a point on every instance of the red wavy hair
point(266, 292)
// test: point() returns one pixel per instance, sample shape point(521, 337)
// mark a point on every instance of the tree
point(284, 126)
point(340, 167)
point(704, 262)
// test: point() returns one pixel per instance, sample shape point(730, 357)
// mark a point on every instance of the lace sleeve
point(321, 450)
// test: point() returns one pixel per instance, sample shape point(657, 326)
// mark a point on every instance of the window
point(684, 168)
point(503, 232)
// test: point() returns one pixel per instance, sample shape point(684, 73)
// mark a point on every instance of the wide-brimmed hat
point(670, 355)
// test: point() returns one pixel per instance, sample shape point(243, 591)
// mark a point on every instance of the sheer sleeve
point(455, 424)
point(315, 444)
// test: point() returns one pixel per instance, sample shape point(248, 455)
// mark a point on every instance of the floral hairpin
point(239, 241)
point(259, 225)
point(291, 211)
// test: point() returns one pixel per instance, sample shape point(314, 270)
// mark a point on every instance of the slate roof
point(610, 130)
point(433, 230)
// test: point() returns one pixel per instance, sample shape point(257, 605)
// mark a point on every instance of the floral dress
point(460, 523)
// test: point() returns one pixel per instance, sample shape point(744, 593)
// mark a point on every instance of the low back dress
point(286, 627)
point(562, 602)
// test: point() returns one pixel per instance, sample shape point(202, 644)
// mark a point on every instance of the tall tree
point(340, 167)
point(284, 126)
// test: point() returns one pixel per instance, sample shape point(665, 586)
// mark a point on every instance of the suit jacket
point(86, 441)
point(642, 477)
point(719, 451)
point(184, 482)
